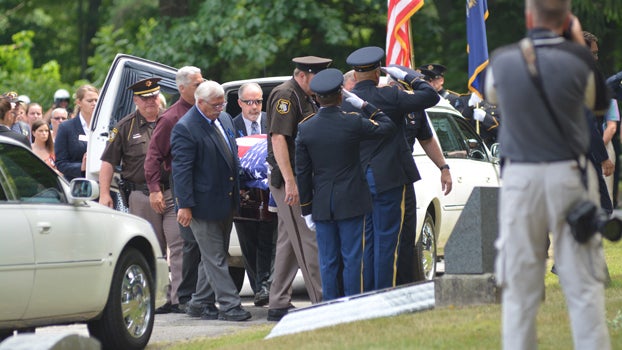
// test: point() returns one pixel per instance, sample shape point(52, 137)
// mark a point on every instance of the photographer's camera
point(585, 219)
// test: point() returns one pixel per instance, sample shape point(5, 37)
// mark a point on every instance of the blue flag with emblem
point(477, 46)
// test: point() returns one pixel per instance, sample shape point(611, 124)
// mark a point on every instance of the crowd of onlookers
point(42, 131)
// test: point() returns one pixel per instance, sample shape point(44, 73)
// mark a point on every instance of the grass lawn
point(472, 327)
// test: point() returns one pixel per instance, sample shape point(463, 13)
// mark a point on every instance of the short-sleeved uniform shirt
point(128, 145)
point(287, 106)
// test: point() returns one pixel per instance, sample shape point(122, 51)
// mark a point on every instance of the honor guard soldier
point(409, 268)
point(483, 115)
point(435, 74)
point(388, 163)
point(127, 147)
point(287, 105)
point(334, 195)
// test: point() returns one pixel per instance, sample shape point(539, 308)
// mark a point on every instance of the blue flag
point(477, 46)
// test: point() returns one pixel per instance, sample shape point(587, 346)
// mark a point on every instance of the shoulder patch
point(113, 134)
point(283, 106)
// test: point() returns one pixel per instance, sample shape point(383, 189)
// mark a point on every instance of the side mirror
point(494, 150)
point(83, 190)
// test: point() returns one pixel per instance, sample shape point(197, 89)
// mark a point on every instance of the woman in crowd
point(73, 135)
point(42, 144)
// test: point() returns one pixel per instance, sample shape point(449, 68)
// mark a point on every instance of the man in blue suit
point(205, 177)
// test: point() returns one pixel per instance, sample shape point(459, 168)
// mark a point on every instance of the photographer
point(542, 85)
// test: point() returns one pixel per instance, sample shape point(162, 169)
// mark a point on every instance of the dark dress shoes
point(164, 309)
point(262, 297)
point(205, 311)
point(210, 312)
point(234, 314)
point(170, 308)
point(276, 315)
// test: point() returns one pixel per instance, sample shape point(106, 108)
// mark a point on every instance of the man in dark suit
point(257, 237)
point(7, 118)
point(334, 194)
point(205, 177)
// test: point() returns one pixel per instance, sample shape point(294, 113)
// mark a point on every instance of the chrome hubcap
point(428, 258)
point(135, 301)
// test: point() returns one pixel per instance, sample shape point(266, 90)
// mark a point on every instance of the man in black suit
point(205, 177)
point(334, 196)
point(7, 119)
point(257, 237)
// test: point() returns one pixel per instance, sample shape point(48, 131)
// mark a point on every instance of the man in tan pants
point(296, 246)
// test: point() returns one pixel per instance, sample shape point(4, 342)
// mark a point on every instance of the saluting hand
point(354, 100)
point(394, 72)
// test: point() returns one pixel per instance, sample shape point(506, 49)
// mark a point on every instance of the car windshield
point(27, 179)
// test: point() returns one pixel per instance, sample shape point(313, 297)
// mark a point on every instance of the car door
point(67, 241)
point(17, 261)
point(470, 161)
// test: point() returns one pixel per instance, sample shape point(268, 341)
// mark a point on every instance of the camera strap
point(529, 55)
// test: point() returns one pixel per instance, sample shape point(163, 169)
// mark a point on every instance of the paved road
point(176, 327)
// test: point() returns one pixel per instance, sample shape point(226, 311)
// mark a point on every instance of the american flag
point(252, 151)
point(398, 41)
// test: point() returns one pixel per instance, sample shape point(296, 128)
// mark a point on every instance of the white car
point(470, 161)
point(66, 259)
point(471, 164)
point(115, 102)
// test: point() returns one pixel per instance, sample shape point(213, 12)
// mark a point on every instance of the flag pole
point(410, 42)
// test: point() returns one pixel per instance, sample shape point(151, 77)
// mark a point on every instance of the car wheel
point(426, 248)
point(127, 319)
point(237, 275)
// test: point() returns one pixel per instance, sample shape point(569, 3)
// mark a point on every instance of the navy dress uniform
point(331, 181)
point(388, 163)
point(416, 127)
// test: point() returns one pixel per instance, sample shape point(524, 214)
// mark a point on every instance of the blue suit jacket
point(205, 174)
point(69, 149)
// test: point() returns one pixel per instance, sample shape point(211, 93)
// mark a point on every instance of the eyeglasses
point(217, 106)
point(59, 118)
point(253, 102)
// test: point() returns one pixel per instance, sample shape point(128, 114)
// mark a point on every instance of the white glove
point(394, 72)
point(474, 100)
point(309, 222)
point(479, 114)
point(356, 101)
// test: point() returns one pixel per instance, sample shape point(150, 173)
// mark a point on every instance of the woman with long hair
point(42, 144)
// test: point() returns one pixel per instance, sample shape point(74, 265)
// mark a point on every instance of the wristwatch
point(446, 166)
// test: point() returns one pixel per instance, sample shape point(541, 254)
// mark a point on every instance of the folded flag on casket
point(252, 151)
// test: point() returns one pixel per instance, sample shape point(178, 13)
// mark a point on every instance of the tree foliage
point(239, 39)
